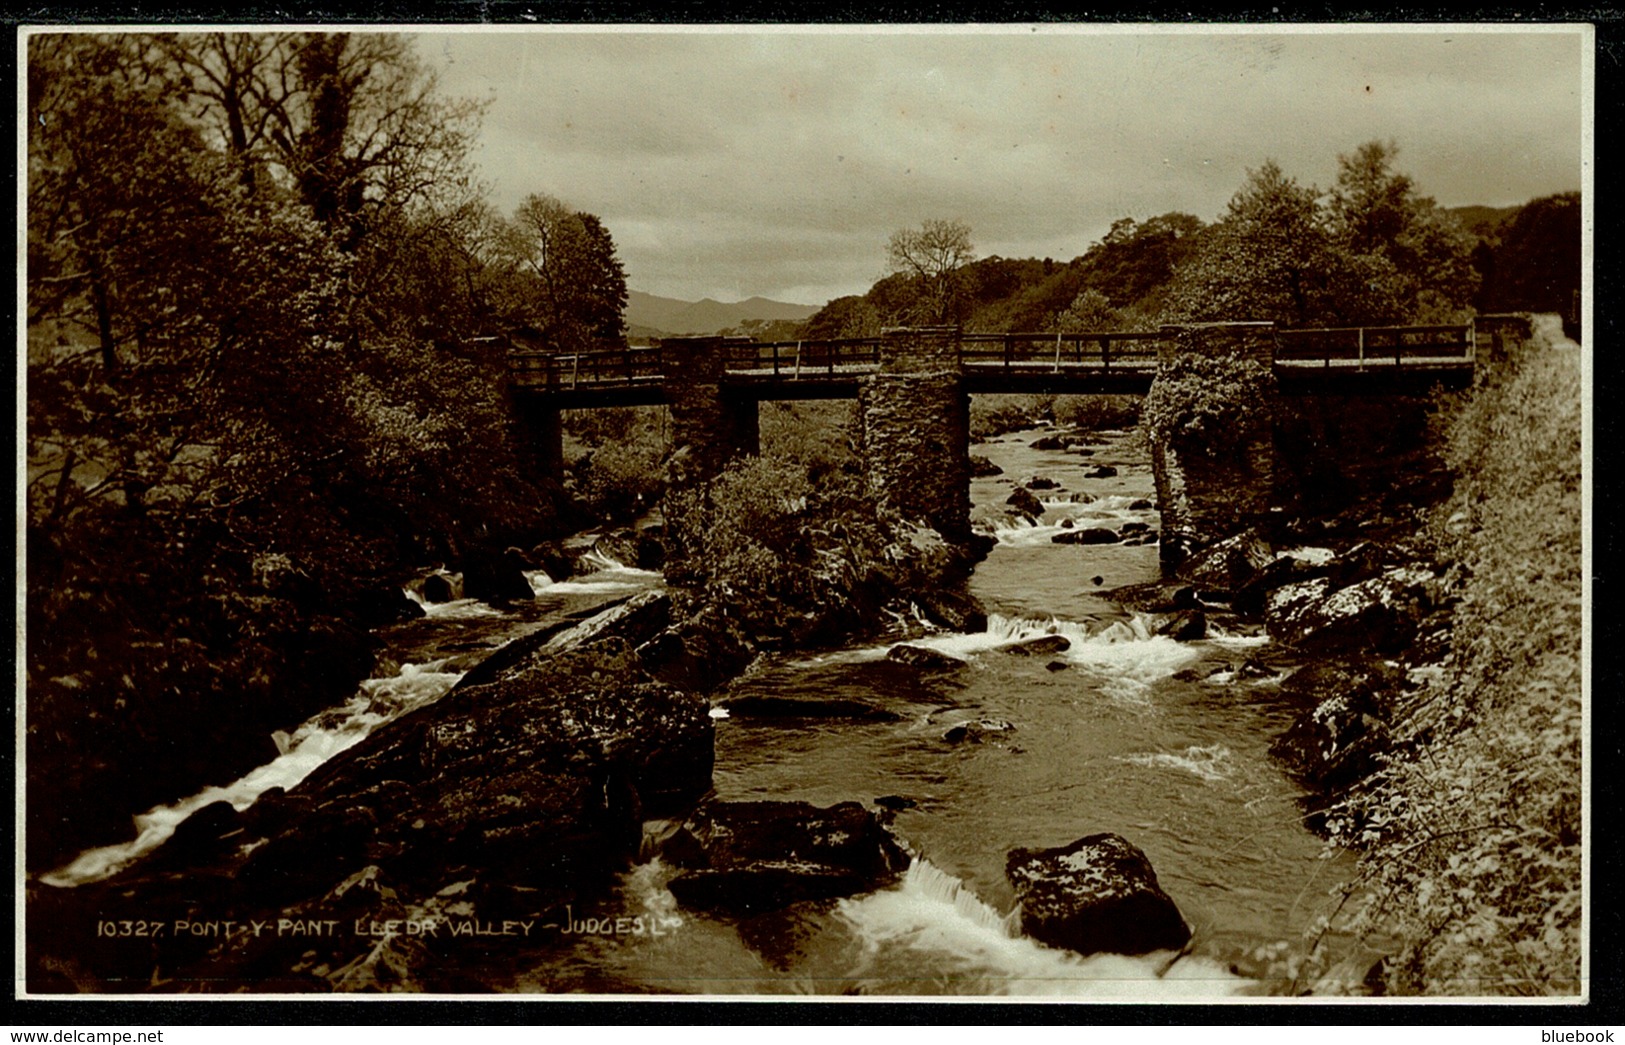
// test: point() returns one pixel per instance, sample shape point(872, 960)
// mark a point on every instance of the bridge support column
point(543, 436)
point(914, 420)
point(711, 425)
point(1207, 492)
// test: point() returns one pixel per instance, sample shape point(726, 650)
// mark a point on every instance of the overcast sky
point(777, 163)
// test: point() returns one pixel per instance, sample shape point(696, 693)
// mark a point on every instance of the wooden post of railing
point(798, 361)
point(1105, 353)
point(1007, 350)
point(1399, 345)
point(1362, 349)
point(575, 370)
point(1057, 351)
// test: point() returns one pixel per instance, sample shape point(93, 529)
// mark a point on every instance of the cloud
point(731, 163)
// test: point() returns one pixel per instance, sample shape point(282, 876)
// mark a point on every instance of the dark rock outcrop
point(1041, 482)
point(549, 769)
point(1101, 471)
point(749, 858)
point(1335, 742)
point(1097, 894)
point(953, 610)
point(497, 577)
point(1181, 625)
point(441, 587)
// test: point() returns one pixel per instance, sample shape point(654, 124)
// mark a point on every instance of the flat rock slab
point(923, 658)
point(1097, 894)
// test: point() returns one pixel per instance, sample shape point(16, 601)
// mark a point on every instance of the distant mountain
point(674, 316)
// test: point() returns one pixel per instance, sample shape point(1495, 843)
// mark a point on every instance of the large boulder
point(981, 466)
point(634, 621)
point(700, 653)
point(548, 771)
point(1181, 625)
point(1379, 614)
point(497, 577)
point(748, 858)
point(1097, 894)
point(1025, 502)
point(1227, 565)
point(953, 610)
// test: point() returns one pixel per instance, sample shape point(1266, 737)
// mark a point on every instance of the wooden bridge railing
point(1363, 347)
point(795, 359)
point(1356, 348)
point(1103, 350)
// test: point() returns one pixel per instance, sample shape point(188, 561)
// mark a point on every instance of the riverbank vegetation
point(1471, 833)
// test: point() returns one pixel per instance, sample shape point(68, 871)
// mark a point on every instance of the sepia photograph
point(1094, 513)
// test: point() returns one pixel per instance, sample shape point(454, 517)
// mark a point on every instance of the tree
point(933, 256)
point(577, 287)
point(1537, 265)
point(1413, 261)
point(1268, 258)
point(1090, 310)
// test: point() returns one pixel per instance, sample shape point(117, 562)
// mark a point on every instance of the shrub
point(1208, 405)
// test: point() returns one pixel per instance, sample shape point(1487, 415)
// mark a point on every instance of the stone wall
point(914, 419)
point(710, 426)
point(1207, 496)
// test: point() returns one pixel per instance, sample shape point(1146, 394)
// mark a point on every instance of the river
point(1160, 741)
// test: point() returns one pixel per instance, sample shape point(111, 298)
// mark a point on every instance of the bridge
point(913, 388)
point(1384, 360)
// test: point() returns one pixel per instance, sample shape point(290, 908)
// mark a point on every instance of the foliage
point(1371, 251)
point(239, 433)
point(795, 558)
point(1473, 832)
point(1536, 264)
point(619, 474)
point(815, 436)
point(1211, 405)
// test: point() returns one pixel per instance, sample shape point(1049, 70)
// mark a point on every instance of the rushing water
point(1144, 736)
point(1157, 740)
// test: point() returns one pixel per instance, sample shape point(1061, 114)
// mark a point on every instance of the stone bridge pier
point(714, 422)
point(1206, 497)
point(914, 420)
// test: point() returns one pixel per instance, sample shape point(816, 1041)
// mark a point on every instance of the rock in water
point(1086, 535)
point(1026, 503)
point(1181, 625)
point(496, 577)
point(981, 466)
point(922, 658)
point(1097, 894)
point(977, 731)
point(1101, 471)
point(548, 772)
point(749, 858)
point(1042, 646)
point(1041, 482)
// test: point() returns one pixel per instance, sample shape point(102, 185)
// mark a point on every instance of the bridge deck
point(1352, 360)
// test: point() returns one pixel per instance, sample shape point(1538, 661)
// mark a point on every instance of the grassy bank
point(1471, 834)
